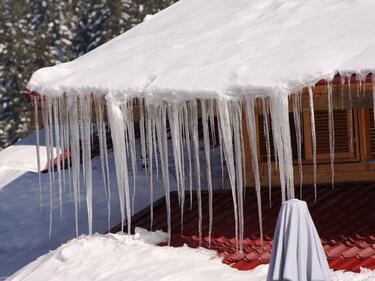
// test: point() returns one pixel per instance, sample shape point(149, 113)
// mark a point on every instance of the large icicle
point(161, 130)
point(175, 128)
point(266, 129)
point(331, 129)
point(211, 114)
point(85, 103)
point(227, 141)
point(206, 139)
point(36, 118)
point(75, 152)
point(149, 133)
point(194, 126)
point(236, 120)
point(142, 132)
point(281, 137)
point(46, 110)
point(102, 134)
point(61, 113)
point(57, 129)
point(116, 121)
point(297, 125)
point(188, 147)
point(313, 137)
point(221, 153)
point(251, 129)
point(127, 111)
point(182, 147)
point(67, 141)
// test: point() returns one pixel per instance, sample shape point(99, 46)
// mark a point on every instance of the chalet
point(284, 93)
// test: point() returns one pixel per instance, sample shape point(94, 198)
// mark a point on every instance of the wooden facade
point(354, 138)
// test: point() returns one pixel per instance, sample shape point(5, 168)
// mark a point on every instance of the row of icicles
point(69, 127)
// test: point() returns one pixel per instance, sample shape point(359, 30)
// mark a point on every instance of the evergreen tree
point(14, 72)
point(39, 33)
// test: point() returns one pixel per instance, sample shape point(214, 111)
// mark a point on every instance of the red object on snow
point(344, 218)
point(63, 156)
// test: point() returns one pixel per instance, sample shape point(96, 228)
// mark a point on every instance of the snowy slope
point(120, 257)
point(216, 47)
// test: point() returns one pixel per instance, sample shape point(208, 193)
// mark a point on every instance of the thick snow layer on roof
point(215, 47)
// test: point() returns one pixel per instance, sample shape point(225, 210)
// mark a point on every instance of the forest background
point(40, 33)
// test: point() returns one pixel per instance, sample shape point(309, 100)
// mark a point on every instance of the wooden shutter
point(262, 139)
point(371, 133)
point(344, 132)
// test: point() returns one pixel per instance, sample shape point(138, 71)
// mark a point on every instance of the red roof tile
point(344, 218)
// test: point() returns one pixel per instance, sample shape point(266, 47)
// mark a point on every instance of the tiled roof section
point(344, 218)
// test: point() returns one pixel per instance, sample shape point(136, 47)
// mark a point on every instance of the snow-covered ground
point(24, 221)
point(122, 257)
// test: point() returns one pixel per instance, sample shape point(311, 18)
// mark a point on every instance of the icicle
point(313, 136)
point(116, 121)
point(194, 127)
point(75, 152)
point(268, 147)
point(130, 140)
point(359, 84)
point(175, 128)
point(243, 154)
point(36, 120)
point(58, 148)
point(211, 115)
point(51, 140)
point(103, 154)
point(208, 165)
point(281, 137)
point(297, 126)
point(236, 118)
point(161, 129)
point(105, 150)
point(251, 129)
point(227, 135)
point(85, 103)
point(221, 153)
point(83, 151)
point(142, 132)
point(342, 91)
point(67, 141)
point(188, 146)
point(350, 92)
point(351, 141)
point(61, 113)
point(154, 141)
point(150, 126)
point(46, 111)
point(331, 130)
point(363, 86)
point(182, 146)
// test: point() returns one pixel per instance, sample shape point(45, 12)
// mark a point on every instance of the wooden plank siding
point(354, 137)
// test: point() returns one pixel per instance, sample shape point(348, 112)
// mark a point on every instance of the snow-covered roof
point(214, 47)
